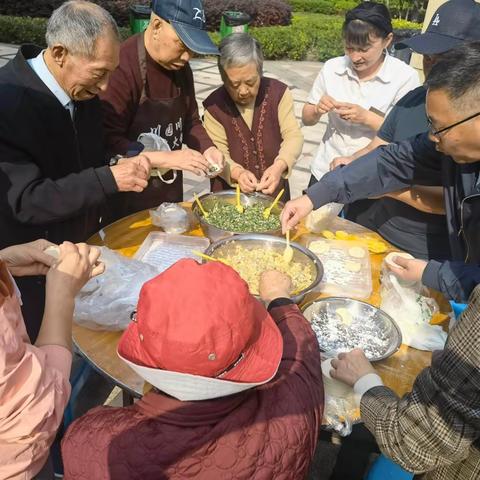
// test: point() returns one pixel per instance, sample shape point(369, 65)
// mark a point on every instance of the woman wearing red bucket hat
point(238, 388)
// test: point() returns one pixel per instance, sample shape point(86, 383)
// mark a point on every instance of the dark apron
point(166, 118)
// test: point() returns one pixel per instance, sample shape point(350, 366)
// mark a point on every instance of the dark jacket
point(416, 162)
point(53, 178)
point(269, 432)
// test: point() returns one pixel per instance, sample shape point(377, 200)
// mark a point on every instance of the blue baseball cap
point(187, 17)
point(454, 23)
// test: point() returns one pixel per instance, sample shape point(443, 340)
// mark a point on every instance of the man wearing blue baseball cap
point(150, 104)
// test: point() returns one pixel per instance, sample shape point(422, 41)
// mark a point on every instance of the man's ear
point(59, 54)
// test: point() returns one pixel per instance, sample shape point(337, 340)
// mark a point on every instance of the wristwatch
point(114, 160)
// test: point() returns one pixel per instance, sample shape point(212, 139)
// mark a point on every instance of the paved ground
point(299, 76)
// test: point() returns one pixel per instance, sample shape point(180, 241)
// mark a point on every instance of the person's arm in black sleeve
point(387, 131)
point(387, 169)
point(33, 199)
point(456, 280)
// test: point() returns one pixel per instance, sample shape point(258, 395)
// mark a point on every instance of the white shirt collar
point(40, 68)
point(383, 74)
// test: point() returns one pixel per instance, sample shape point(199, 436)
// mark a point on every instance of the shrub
point(44, 8)
point(268, 12)
point(327, 7)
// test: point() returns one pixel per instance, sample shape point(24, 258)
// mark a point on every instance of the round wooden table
point(126, 235)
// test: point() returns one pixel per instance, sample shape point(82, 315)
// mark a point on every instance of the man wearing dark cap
point(414, 219)
point(151, 101)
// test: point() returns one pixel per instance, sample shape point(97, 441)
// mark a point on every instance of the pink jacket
point(34, 390)
point(269, 432)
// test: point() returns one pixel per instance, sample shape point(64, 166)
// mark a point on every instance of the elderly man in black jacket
point(449, 156)
point(53, 177)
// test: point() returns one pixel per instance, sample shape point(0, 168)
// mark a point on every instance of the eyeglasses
point(435, 133)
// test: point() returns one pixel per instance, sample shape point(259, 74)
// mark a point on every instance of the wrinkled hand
point(325, 104)
point(131, 174)
point(28, 259)
point(336, 162)
point(271, 177)
point(352, 112)
point(274, 284)
point(350, 367)
point(248, 181)
point(190, 160)
point(77, 263)
point(214, 157)
point(409, 270)
point(294, 211)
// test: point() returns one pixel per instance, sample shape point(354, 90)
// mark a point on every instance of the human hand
point(131, 174)
point(28, 258)
point(247, 180)
point(214, 157)
point(337, 161)
point(274, 284)
point(350, 367)
point(408, 270)
point(294, 211)
point(271, 177)
point(352, 112)
point(325, 104)
point(77, 263)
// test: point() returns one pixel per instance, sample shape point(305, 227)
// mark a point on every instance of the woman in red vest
point(251, 121)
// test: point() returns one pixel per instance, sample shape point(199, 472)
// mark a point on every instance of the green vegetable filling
point(225, 216)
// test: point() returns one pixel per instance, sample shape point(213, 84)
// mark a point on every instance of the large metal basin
point(228, 196)
point(254, 240)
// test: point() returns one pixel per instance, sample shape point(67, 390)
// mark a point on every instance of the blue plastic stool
point(458, 308)
point(384, 469)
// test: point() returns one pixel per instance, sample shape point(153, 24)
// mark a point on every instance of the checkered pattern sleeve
point(436, 427)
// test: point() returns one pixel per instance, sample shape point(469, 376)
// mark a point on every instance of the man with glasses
point(414, 219)
point(449, 156)
point(151, 98)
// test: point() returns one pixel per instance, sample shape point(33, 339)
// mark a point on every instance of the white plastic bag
point(321, 218)
point(412, 310)
point(107, 301)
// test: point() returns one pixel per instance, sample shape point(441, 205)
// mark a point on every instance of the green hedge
point(327, 7)
point(310, 36)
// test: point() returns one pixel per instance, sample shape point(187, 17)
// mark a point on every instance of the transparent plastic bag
point(107, 301)
point(171, 217)
point(412, 310)
point(321, 218)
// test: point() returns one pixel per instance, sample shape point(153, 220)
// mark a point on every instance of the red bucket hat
point(201, 320)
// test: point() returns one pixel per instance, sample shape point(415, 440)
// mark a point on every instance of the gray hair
point(77, 25)
point(238, 50)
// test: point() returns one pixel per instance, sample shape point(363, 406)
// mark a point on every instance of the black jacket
point(53, 178)
point(416, 162)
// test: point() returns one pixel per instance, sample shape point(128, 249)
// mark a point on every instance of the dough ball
point(353, 267)
point(345, 316)
point(356, 252)
point(53, 251)
point(319, 247)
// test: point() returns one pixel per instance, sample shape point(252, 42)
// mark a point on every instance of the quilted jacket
point(266, 433)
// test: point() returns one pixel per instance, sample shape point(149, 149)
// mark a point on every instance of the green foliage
point(310, 36)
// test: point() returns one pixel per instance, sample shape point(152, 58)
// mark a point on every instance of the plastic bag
point(412, 310)
point(107, 301)
point(171, 217)
point(321, 218)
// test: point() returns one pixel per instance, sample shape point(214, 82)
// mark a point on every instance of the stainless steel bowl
point(370, 329)
point(256, 240)
point(228, 196)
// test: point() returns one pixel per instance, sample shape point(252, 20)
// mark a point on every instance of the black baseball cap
point(187, 17)
point(454, 23)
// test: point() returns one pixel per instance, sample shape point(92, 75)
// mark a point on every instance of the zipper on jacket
point(462, 230)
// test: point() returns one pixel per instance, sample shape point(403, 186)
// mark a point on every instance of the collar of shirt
point(40, 68)
point(345, 68)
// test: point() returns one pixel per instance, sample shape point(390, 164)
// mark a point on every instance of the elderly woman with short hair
point(251, 120)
